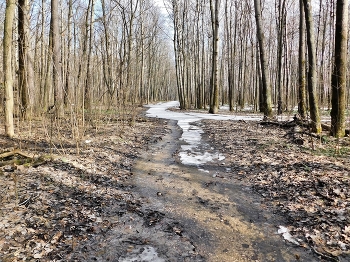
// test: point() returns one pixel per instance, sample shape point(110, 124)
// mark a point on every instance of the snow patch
point(192, 153)
point(148, 254)
point(286, 235)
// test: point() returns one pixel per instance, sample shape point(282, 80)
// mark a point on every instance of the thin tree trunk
point(214, 98)
point(55, 50)
point(7, 66)
point(302, 69)
point(88, 82)
point(281, 29)
point(22, 57)
point(67, 82)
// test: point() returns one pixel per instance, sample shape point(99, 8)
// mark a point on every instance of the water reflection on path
point(195, 152)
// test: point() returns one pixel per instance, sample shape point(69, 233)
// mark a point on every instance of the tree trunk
point(302, 70)
point(281, 29)
point(68, 66)
point(339, 70)
point(22, 57)
point(88, 83)
point(265, 80)
point(7, 67)
point(55, 49)
point(214, 97)
point(312, 73)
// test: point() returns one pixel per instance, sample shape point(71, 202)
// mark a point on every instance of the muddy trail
point(178, 189)
point(186, 213)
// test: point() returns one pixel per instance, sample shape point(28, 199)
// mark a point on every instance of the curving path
point(193, 213)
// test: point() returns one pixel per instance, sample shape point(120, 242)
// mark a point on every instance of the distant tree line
point(79, 55)
point(272, 55)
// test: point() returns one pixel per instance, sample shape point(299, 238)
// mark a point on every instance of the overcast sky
point(160, 3)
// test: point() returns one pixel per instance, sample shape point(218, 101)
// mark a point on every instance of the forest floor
point(125, 196)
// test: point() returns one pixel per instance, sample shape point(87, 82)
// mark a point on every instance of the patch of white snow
point(190, 153)
point(148, 254)
point(286, 235)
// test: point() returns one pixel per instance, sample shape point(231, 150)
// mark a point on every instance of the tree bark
point(214, 97)
point(265, 80)
point(22, 57)
point(339, 70)
point(88, 84)
point(302, 70)
point(281, 29)
point(7, 66)
point(55, 50)
point(312, 73)
point(68, 65)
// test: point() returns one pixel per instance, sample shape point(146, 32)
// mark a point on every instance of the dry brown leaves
point(310, 188)
point(46, 212)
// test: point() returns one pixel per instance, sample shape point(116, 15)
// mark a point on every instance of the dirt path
point(128, 196)
point(205, 217)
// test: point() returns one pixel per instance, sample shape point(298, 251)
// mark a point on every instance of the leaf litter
point(308, 187)
point(50, 211)
point(47, 212)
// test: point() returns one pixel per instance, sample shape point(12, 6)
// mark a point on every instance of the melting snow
point(287, 236)
point(148, 254)
point(192, 153)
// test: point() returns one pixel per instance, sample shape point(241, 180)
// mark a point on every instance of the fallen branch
point(288, 124)
point(298, 127)
point(301, 123)
point(26, 159)
point(325, 255)
point(15, 152)
point(15, 161)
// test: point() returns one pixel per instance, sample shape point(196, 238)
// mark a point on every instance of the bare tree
point(312, 70)
point(339, 70)
point(68, 62)
point(281, 24)
point(55, 51)
point(265, 79)
point(89, 37)
point(214, 85)
point(302, 69)
point(22, 56)
point(7, 60)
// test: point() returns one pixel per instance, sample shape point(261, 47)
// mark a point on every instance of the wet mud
point(198, 213)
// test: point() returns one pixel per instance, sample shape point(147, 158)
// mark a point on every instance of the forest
point(81, 152)
point(84, 55)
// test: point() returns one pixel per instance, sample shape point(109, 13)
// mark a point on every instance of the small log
point(15, 152)
point(302, 123)
point(288, 124)
point(8, 154)
point(17, 162)
point(24, 159)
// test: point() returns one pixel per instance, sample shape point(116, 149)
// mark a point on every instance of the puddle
point(195, 152)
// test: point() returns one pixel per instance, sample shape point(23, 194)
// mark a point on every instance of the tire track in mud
point(193, 215)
